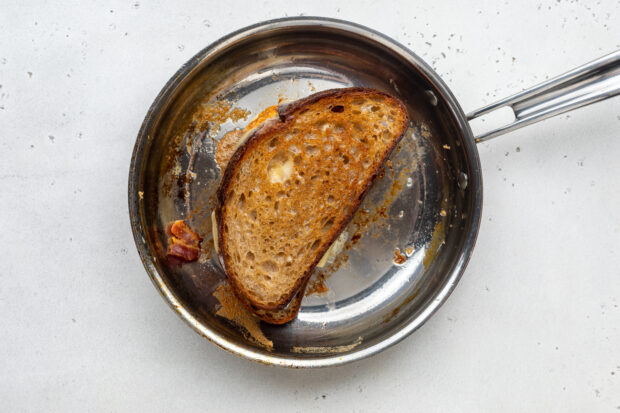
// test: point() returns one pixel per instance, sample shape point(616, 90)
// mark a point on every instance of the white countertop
point(533, 326)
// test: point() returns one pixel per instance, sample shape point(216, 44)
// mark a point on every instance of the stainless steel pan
point(428, 204)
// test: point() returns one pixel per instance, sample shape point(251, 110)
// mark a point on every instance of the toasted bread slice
point(280, 316)
point(294, 183)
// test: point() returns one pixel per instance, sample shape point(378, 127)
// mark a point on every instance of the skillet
point(417, 225)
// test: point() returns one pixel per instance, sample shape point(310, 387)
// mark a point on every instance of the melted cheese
point(334, 250)
point(279, 173)
point(214, 230)
point(270, 113)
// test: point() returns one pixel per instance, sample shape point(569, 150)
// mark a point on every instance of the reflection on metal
point(590, 83)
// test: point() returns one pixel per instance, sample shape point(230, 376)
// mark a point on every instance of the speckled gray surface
point(534, 325)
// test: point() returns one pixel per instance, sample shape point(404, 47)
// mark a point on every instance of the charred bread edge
point(284, 114)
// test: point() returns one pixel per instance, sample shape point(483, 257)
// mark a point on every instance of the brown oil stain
point(339, 261)
point(206, 120)
point(232, 310)
point(437, 240)
point(389, 165)
point(200, 217)
point(213, 114)
point(425, 131)
point(317, 285)
point(209, 118)
point(171, 160)
point(356, 237)
point(395, 311)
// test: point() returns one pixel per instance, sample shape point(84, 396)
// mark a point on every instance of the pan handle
point(592, 82)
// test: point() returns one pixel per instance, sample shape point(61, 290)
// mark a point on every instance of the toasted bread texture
point(281, 316)
point(292, 186)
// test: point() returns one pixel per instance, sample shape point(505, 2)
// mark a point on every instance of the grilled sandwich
point(292, 184)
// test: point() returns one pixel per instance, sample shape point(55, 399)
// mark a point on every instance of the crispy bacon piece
point(184, 252)
point(182, 231)
point(184, 243)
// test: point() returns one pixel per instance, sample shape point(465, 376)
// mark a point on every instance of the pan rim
point(475, 183)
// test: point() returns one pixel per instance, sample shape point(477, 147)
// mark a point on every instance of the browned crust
point(285, 113)
point(281, 316)
point(286, 110)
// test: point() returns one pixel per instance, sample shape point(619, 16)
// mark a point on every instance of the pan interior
point(422, 207)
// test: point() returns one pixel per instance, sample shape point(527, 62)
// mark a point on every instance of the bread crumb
point(232, 309)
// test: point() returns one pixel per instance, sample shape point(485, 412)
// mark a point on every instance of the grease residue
point(341, 259)
point(317, 285)
point(232, 310)
point(213, 114)
point(425, 131)
point(437, 240)
point(395, 311)
point(328, 350)
point(209, 117)
point(268, 113)
point(206, 120)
